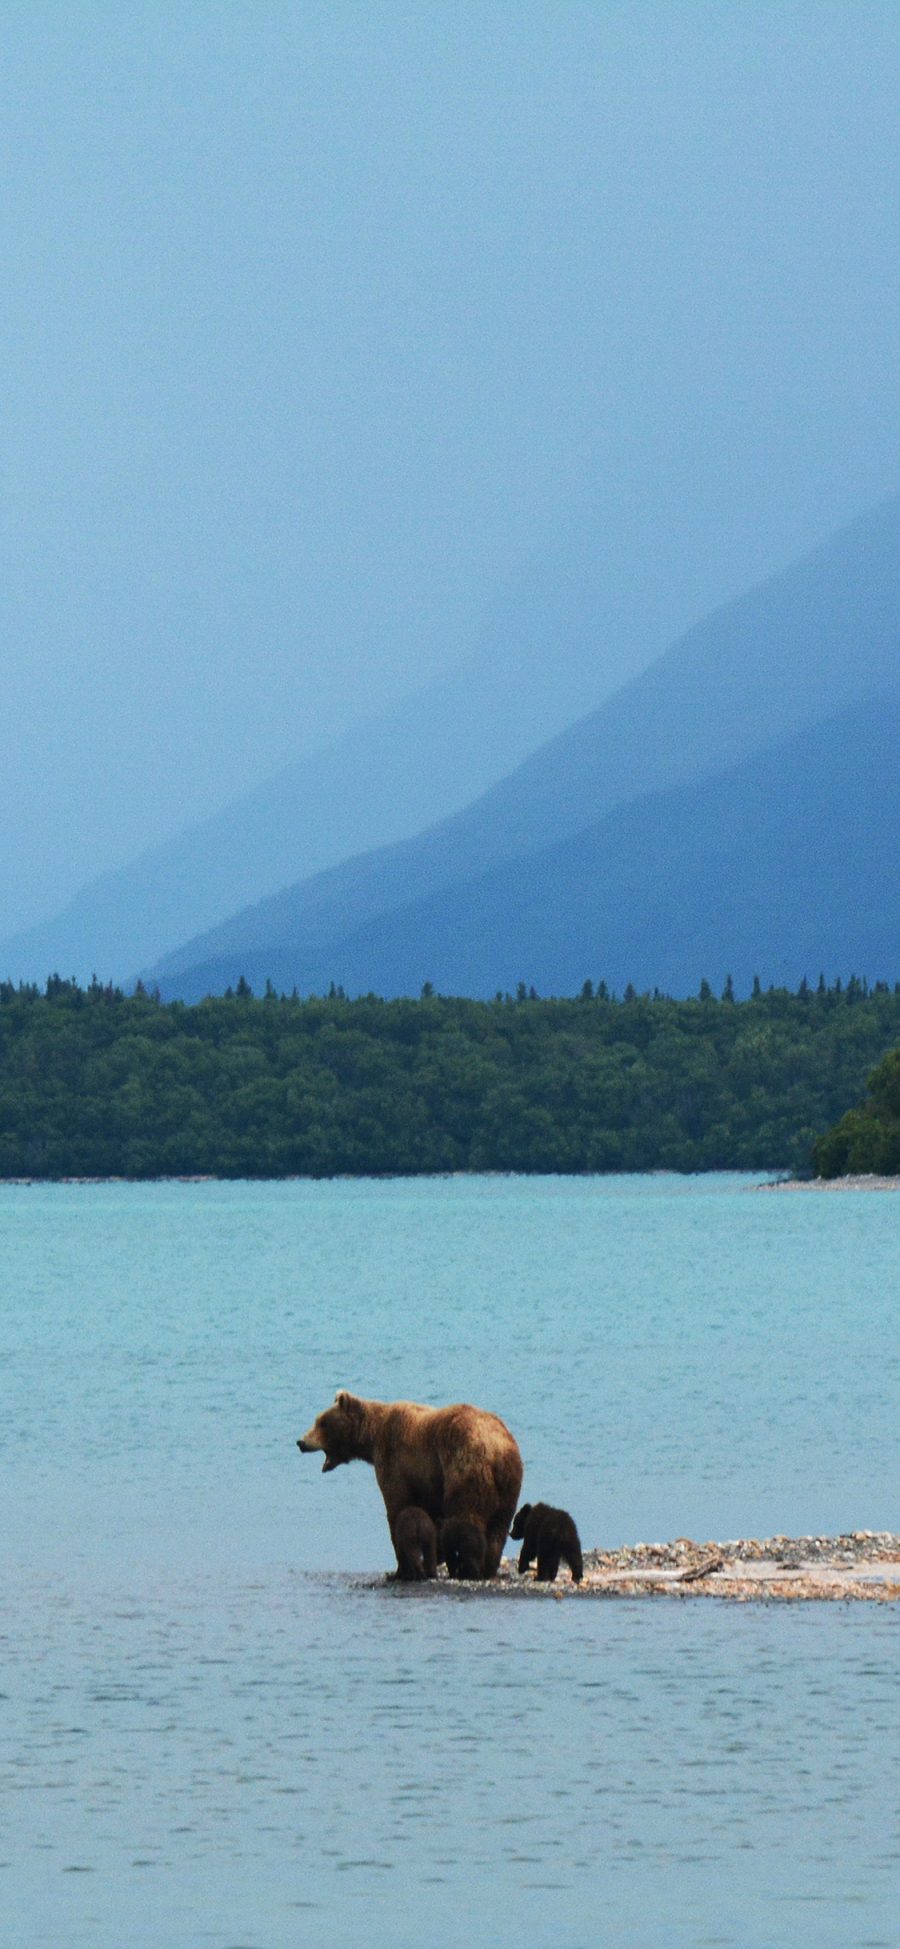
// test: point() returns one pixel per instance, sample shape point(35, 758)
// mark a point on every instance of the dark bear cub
point(463, 1548)
point(550, 1535)
point(415, 1541)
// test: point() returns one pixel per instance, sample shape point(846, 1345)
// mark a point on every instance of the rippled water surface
point(218, 1727)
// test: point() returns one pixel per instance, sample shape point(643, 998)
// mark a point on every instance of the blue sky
point(318, 320)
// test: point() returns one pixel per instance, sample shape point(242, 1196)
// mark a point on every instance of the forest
point(867, 1138)
point(98, 1083)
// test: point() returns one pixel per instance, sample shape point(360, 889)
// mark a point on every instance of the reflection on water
point(205, 1740)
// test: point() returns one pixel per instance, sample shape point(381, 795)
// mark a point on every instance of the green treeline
point(97, 1083)
point(867, 1138)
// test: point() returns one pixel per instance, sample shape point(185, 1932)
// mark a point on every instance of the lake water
point(215, 1729)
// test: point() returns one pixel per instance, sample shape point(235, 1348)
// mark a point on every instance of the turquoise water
point(215, 1730)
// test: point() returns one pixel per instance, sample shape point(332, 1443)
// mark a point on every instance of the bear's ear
point(344, 1400)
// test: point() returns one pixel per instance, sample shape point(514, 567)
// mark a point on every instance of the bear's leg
point(463, 1547)
point(572, 1556)
point(415, 1541)
point(409, 1567)
point(531, 1541)
point(498, 1524)
point(548, 1564)
point(495, 1537)
point(406, 1547)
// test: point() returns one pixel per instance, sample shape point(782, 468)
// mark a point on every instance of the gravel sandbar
point(862, 1566)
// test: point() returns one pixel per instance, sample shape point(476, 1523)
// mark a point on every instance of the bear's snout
point(308, 1445)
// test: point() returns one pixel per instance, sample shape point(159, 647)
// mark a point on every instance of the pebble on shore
point(862, 1565)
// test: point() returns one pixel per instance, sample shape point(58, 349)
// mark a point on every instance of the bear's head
point(519, 1520)
point(336, 1433)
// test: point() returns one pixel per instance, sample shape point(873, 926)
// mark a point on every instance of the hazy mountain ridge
point(810, 641)
point(552, 643)
point(767, 869)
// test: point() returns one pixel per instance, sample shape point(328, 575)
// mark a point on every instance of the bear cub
point(415, 1541)
point(463, 1548)
point(550, 1535)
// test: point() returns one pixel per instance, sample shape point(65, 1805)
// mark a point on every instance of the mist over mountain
point(804, 646)
point(554, 640)
point(317, 320)
point(768, 870)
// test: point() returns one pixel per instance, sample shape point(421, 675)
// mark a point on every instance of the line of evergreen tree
point(95, 1082)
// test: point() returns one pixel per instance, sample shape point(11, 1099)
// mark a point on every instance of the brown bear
point(550, 1535)
point(461, 1547)
point(457, 1461)
point(415, 1540)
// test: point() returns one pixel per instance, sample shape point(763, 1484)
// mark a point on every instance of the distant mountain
point(370, 785)
point(805, 645)
point(775, 868)
point(553, 643)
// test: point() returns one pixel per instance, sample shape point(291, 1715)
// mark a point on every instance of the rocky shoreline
point(864, 1564)
point(861, 1566)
